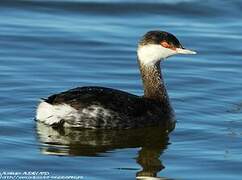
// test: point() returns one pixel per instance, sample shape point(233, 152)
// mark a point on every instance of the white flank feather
point(51, 114)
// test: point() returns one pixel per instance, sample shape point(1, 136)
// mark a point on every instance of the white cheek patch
point(152, 53)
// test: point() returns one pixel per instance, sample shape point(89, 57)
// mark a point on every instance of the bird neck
point(154, 85)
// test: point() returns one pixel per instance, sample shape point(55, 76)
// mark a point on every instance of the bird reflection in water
point(88, 142)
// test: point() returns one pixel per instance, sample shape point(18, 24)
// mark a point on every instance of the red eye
point(166, 45)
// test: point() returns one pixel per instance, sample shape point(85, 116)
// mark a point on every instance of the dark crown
point(156, 37)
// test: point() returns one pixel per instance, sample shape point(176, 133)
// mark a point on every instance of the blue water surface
point(51, 46)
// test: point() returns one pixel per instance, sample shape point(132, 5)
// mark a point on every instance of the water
point(50, 46)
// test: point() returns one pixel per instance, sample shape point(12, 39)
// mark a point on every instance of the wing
point(116, 100)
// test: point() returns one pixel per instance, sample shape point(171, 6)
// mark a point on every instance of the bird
point(95, 107)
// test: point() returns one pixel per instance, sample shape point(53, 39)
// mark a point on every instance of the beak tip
point(186, 51)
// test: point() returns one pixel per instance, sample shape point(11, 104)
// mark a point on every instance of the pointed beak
point(185, 51)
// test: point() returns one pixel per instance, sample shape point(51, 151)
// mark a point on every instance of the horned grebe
point(99, 107)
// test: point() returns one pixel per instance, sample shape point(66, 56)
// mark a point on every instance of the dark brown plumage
point(128, 110)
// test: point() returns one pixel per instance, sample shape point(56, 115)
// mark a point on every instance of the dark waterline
point(50, 46)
